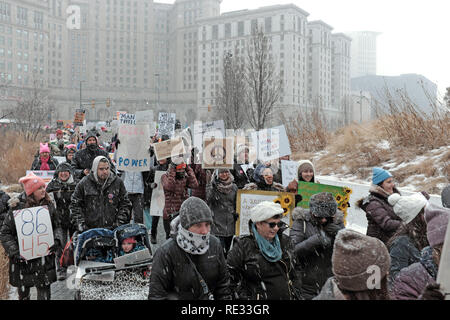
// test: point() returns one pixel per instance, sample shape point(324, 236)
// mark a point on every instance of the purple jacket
point(411, 281)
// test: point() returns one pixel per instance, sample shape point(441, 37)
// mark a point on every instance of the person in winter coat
point(175, 183)
point(242, 170)
point(61, 188)
point(44, 161)
point(305, 172)
point(262, 263)
point(445, 197)
point(134, 184)
point(57, 145)
point(162, 165)
point(221, 195)
point(313, 233)
point(130, 245)
point(39, 272)
point(201, 176)
point(360, 267)
point(263, 177)
point(409, 240)
point(382, 222)
point(100, 199)
point(83, 159)
point(190, 265)
point(413, 282)
point(69, 152)
point(4, 207)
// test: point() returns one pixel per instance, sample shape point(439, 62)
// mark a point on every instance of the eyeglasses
point(273, 224)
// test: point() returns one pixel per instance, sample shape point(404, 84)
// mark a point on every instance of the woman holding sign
point(38, 272)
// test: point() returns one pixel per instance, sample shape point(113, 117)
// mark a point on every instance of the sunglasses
point(273, 224)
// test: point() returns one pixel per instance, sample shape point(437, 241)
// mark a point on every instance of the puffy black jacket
point(95, 205)
point(253, 277)
point(4, 207)
point(241, 177)
point(314, 248)
point(62, 193)
point(403, 253)
point(174, 277)
point(223, 207)
point(36, 272)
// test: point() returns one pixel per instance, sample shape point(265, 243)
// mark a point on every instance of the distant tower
point(363, 53)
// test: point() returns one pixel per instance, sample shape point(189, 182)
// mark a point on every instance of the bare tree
point(232, 90)
point(32, 112)
point(263, 83)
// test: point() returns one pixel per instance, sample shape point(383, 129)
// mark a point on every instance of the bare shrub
point(4, 275)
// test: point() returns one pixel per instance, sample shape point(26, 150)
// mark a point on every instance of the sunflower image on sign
point(285, 201)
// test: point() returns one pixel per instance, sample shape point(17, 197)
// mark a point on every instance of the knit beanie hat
point(194, 210)
point(379, 175)
point(445, 197)
point(437, 220)
point(31, 183)
point(407, 207)
point(322, 205)
point(265, 210)
point(129, 240)
point(304, 165)
point(43, 147)
point(353, 254)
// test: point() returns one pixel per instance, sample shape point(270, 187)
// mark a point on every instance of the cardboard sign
point(248, 199)
point(166, 124)
point(288, 171)
point(47, 176)
point(169, 148)
point(34, 232)
point(127, 118)
point(218, 153)
point(133, 153)
point(158, 201)
point(80, 115)
point(204, 130)
point(340, 194)
point(271, 143)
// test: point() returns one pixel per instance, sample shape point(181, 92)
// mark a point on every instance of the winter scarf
point(271, 251)
point(44, 163)
point(191, 242)
point(226, 186)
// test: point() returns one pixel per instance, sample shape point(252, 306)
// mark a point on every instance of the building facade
point(363, 53)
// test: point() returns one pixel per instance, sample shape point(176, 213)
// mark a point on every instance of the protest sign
point(60, 159)
point(204, 130)
point(144, 117)
point(34, 232)
point(247, 199)
point(52, 136)
point(218, 153)
point(271, 143)
point(158, 200)
point(118, 113)
point(340, 194)
point(79, 117)
point(169, 148)
point(46, 175)
point(443, 275)
point(166, 124)
point(288, 171)
point(59, 124)
point(127, 118)
point(131, 156)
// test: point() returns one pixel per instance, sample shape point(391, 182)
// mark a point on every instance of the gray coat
point(223, 207)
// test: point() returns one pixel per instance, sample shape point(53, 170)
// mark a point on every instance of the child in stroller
point(130, 245)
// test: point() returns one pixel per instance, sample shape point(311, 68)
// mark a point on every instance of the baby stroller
point(104, 272)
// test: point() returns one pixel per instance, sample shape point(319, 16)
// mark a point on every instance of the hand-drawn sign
point(34, 232)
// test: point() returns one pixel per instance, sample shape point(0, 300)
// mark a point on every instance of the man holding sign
point(31, 235)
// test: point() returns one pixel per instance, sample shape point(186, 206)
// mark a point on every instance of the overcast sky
point(415, 33)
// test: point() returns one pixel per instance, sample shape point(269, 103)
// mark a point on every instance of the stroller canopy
point(95, 238)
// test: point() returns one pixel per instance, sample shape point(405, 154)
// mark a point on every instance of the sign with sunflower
point(341, 194)
point(247, 199)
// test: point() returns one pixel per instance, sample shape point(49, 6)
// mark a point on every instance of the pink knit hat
point(436, 218)
point(44, 148)
point(31, 183)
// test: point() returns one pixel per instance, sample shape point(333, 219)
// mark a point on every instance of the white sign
point(34, 232)
point(144, 117)
point(158, 200)
point(60, 159)
point(288, 171)
point(271, 143)
point(166, 124)
point(133, 154)
point(46, 175)
point(204, 130)
point(127, 118)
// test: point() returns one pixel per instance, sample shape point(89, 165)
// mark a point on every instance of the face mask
point(192, 243)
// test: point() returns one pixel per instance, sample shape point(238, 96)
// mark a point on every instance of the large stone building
point(363, 53)
point(140, 54)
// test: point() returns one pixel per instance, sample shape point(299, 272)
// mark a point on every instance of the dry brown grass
point(4, 275)
point(16, 156)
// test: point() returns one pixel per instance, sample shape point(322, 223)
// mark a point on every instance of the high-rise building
point(363, 53)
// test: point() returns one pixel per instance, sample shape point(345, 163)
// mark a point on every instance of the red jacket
point(175, 190)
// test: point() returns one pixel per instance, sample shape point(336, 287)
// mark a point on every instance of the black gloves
point(331, 229)
point(431, 292)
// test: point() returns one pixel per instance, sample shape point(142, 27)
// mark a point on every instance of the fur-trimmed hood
point(304, 214)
